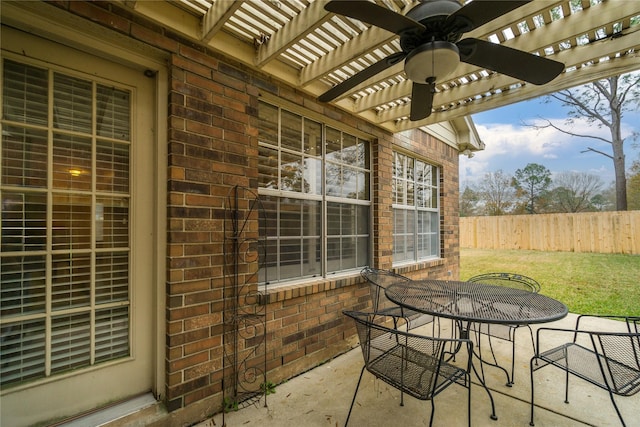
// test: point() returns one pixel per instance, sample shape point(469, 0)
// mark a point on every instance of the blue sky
point(511, 145)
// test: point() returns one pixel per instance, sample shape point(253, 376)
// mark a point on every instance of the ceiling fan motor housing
point(432, 60)
point(433, 15)
point(431, 8)
point(431, 54)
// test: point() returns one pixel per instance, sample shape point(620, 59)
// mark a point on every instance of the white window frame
point(84, 247)
point(418, 211)
point(361, 203)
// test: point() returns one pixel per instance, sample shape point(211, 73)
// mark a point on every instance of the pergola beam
point(358, 46)
point(214, 19)
point(306, 22)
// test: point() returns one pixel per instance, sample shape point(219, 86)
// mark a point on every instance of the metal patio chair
point(505, 331)
point(378, 281)
point(607, 359)
point(413, 364)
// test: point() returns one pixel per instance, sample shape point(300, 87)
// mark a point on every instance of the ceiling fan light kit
point(435, 59)
point(432, 46)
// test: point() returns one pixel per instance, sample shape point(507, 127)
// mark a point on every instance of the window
point(315, 186)
point(416, 215)
point(64, 264)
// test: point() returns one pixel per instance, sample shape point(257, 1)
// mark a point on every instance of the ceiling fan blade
point(361, 76)
point(479, 12)
point(422, 100)
point(512, 62)
point(373, 14)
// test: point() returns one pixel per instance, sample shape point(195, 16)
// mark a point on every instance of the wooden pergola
point(300, 43)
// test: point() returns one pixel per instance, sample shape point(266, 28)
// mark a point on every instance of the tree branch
point(551, 125)
point(597, 151)
point(626, 91)
point(572, 100)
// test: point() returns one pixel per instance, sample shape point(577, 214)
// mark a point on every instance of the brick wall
point(212, 146)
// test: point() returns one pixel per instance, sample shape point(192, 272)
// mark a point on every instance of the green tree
point(531, 183)
point(633, 186)
point(607, 199)
point(469, 199)
point(601, 203)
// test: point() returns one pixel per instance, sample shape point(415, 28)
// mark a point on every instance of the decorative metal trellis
point(244, 338)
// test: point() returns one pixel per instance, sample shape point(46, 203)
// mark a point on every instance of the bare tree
point(496, 193)
point(603, 103)
point(574, 191)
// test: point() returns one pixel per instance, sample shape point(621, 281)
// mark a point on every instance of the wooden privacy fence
point(600, 232)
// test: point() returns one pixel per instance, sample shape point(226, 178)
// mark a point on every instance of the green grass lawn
point(585, 282)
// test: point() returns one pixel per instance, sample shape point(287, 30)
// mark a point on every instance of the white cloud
point(513, 140)
point(602, 170)
point(543, 142)
point(512, 146)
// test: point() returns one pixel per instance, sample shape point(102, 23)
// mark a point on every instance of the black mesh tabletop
point(476, 302)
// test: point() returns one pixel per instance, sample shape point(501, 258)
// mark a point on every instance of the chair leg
point(354, 396)
point(468, 379)
point(566, 379)
point(533, 341)
point(616, 407)
point(433, 410)
point(402, 371)
point(532, 386)
point(566, 385)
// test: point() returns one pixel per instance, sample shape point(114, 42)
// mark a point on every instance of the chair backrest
point(378, 281)
point(619, 355)
point(621, 361)
point(511, 280)
point(633, 324)
point(407, 361)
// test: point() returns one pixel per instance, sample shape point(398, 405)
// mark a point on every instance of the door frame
point(58, 26)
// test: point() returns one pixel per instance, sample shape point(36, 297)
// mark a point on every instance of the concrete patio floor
point(321, 398)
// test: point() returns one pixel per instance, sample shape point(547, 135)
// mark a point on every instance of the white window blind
point(314, 181)
point(65, 291)
point(416, 214)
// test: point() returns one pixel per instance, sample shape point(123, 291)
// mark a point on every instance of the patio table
point(467, 303)
point(476, 302)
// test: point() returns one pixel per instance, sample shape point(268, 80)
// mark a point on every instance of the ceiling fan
point(432, 46)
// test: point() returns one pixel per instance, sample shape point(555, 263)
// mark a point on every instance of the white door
point(76, 298)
